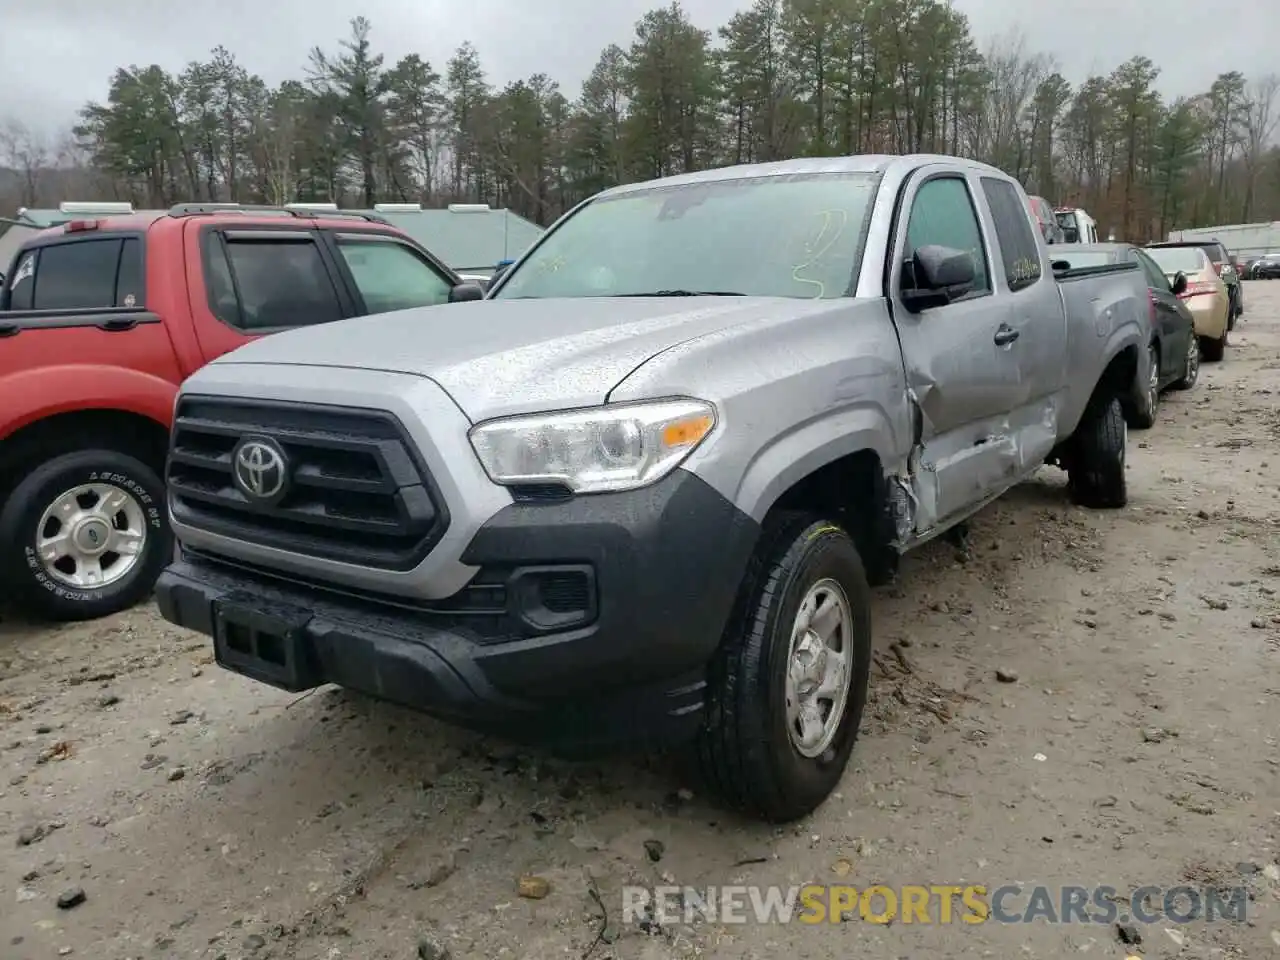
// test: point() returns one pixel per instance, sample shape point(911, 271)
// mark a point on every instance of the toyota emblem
point(261, 469)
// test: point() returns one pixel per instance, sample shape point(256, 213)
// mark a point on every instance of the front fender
point(40, 392)
point(790, 457)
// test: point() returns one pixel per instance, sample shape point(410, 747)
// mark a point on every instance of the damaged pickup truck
point(640, 492)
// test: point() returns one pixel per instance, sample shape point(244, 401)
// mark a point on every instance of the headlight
point(609, 448)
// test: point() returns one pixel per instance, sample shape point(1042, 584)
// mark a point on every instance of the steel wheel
point(91, 536)
point(818, 669)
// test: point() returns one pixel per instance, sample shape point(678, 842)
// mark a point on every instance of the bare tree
point(25, 152)
point(1012, 76)
point(1260, 119)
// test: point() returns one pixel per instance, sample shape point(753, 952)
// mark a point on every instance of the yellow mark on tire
point(825, 528)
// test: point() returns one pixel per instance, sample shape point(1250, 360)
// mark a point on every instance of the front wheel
point(84, 535)
point(789, 683)
point(1095, 469)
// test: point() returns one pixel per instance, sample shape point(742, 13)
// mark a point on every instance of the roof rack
point(398, 207)
point(306, 211)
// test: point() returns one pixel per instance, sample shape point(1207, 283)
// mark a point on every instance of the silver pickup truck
point(639, 492)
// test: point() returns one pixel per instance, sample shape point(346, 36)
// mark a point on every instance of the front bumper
point(663, 567)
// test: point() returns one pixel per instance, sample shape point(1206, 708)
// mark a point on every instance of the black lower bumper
point(665, 564)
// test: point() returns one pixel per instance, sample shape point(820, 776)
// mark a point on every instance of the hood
point(503, 357)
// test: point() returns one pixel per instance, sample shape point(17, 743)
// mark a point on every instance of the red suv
point(102, 319)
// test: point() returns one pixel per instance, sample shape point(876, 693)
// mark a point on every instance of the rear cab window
point(266, 279)
point(1019, 252)
point(100, 273)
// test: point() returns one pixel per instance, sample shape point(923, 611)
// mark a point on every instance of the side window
point(131, 281)
point(77, 276)
point(391, 276)
point(22, 285)
point(275, 282)
point(1155, 276)
point(222, 289)
point(943, 214)
point(1018, 249)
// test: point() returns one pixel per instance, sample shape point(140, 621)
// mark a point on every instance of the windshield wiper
point(687, 293)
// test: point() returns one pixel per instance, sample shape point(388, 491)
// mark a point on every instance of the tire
point(1147, 405)
point(1231, 313)
point(1190, 365)
point(1095, 471)
point(746, 749)
point(137, 505)
point(1212, 351)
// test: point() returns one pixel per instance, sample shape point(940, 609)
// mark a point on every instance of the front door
point(1172, 322)
point(959, 364)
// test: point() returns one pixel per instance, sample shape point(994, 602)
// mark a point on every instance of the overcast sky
point(58, 54)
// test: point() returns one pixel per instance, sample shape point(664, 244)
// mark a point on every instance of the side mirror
point(1179, 284)
point(942, 274)
point(466, 291)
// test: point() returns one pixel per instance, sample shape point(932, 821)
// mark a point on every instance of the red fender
point(37, 393)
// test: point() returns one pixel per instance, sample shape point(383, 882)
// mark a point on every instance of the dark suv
point(1225, 265)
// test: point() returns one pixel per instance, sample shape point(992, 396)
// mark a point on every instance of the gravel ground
point(1130, 739)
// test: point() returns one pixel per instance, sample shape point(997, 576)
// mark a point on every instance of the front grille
point(358, 492)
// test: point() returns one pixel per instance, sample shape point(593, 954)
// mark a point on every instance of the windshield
point(1067, 221)
point(1084, 258)
point(780, 236)
point(1178, 259)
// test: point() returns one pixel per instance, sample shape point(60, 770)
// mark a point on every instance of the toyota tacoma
point(638, 494)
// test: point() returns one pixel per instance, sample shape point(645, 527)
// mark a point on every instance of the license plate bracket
point(264, 640)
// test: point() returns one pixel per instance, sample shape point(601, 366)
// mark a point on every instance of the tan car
point(1205, 294)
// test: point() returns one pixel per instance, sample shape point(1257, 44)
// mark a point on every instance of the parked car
point(647, 503)
point(1224, 265)
point(1206, 294)
point(1266, 267)
point(102, 320)
point(1042, 213)
point(1174, 351)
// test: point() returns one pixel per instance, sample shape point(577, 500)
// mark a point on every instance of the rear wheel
point(1096, 458)
point(789, 683)
point(84, 535)
point(1148, 403)
point(1190, 365)
point(1214, 350)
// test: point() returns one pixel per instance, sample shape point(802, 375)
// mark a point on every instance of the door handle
point(1006, 334)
